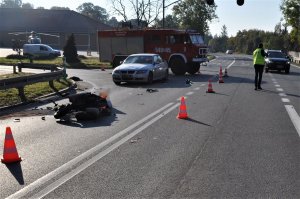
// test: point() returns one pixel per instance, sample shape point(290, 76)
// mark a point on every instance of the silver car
point(144, 67)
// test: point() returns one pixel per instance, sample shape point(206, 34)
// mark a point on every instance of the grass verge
point(11, 96)
point(86, 62)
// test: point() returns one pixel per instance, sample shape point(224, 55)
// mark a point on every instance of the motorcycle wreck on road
point(84, 107)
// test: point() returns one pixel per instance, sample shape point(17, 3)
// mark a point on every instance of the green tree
point(59, 8)
point(94, 12)
point(194, 14)
point(11, 4)
point(170, 22)
point(113, 22)
point(70, 50)
point(291, 13)
point(27, 6)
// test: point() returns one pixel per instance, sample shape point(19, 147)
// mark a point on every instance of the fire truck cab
point(183, 50)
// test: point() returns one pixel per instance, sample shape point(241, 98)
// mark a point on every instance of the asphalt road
point(237, 142)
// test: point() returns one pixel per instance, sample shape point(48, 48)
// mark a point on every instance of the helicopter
point(33, 38)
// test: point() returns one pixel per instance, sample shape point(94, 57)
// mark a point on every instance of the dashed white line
point(277, 85)
point(285, 100)
point(190, 93)
point(197, 88)
point(282, 95)
point(279, 89)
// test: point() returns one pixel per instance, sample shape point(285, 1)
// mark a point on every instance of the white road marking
point(96, 158)
point(279, 89)
point(277, 85)
point(285, 100)
point(230, 64)
point(282, 95)
point(67, 166)
point(197, 88)
point(190, 93)
point(294, 117)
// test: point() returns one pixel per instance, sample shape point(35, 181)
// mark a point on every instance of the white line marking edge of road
point(294, 117)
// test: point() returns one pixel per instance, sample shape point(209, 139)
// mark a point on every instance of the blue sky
point(254, 14)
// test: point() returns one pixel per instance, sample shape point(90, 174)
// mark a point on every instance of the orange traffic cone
point(182, 110)
point(10, 154)
point(210, 89)
point(221, 75)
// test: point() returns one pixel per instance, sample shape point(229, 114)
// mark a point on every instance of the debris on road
point(151, 90)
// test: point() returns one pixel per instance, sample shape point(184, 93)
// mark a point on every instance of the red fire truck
point(183, 50)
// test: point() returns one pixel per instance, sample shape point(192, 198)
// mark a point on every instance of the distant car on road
point(229, 51)
point(277, 60)
point(144, 67)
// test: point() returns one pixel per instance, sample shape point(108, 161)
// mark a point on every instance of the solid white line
point(96, 158)
point(285, 100)
point(294, 117)
point(73, 162)
point(230, 64)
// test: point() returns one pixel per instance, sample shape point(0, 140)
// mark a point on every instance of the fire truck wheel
point(150, 78)
point(178, 66)
point(193, 68)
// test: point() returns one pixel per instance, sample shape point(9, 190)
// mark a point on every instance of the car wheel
point(287, 71)
point(117, 83)
point(150, 78)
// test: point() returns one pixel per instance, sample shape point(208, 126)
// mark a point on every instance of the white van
point(40, 50)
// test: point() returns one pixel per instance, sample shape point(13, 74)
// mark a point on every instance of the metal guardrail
point(26, 80)
point(21, 82)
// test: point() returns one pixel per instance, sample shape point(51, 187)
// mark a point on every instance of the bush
point(15, 56)
point(70, 50)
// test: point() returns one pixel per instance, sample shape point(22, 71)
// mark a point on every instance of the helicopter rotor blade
point(48, 34)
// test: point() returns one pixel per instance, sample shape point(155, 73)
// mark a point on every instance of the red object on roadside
point(10, 153)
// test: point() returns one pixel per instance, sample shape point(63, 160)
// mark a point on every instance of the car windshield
point(139, 60)
point(196, 39)
point(276, 55)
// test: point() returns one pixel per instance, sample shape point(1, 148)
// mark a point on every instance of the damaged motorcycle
point(84, 107)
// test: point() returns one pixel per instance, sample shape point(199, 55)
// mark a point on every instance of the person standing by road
point(259, 62)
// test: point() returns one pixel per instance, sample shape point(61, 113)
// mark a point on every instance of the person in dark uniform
point(259, 63)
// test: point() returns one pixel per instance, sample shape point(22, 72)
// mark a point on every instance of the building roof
point(43, 20)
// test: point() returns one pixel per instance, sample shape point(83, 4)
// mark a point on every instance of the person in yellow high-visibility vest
point(259, 63)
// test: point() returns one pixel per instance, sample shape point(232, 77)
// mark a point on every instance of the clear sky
point(254, 14)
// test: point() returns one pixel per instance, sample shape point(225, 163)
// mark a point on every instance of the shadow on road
point(102, 121)
point(198, 122)
point(16, 171)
